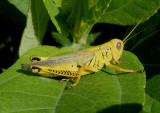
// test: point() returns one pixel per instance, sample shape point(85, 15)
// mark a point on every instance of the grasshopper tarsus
point(65, 79)
point(140, 71)
point(72, 85)
point(68, 87)
point(60, 81)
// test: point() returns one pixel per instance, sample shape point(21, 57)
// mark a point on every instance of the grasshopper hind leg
point(37, 58)
point(53, 72)
point(79, 73)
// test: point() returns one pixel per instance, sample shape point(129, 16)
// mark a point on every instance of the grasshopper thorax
point(117, 49)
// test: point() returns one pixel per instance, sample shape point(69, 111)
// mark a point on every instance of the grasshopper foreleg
point(124, 70)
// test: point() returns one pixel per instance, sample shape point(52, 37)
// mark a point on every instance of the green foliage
point(60, 39)
point(56, 17)
point(22, 91)
point(147, 44)
point(16, 10)
point(152, 104)
point(37, 22)
point(92, 37)
point(71, 24)
point(86, 13)
point(130, 11)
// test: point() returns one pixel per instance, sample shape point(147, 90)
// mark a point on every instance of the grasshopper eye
point(118, 45)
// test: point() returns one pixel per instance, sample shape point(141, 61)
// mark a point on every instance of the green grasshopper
point(77, 64)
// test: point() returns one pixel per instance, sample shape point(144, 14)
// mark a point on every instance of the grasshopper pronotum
point(77, 64)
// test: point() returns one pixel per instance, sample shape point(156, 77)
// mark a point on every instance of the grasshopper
point(80, 63)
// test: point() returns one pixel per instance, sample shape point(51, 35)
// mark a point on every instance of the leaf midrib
point(59, 97)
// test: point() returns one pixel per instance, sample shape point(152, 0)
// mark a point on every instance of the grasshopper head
point(117, 48)
point(117, 45)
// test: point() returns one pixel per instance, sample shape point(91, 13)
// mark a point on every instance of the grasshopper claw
point(140, 71)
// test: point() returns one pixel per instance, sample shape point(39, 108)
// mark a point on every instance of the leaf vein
point(61, 93)
point(27, 93)
point(9, 79)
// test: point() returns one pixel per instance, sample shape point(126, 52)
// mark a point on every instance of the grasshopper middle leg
point(79, 73)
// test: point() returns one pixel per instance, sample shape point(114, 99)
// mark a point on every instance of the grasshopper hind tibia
point(37, 58)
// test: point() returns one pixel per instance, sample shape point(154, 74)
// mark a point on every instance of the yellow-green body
point(77, 64)
point(68, 65)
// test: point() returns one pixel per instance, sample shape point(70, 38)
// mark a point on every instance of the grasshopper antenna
point(137, 34)
point(126, 38)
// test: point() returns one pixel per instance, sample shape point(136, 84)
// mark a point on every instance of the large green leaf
point(104, 91)
point(127, 12)
point(37, 22)
point(80, 16)
point(118, 11)
point(85, 22)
